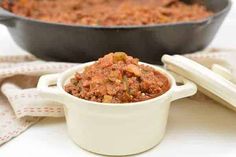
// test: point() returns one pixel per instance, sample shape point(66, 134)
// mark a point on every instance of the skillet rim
point(11, 16)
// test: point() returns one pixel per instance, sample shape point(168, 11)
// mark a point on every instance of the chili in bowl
point(116, 105)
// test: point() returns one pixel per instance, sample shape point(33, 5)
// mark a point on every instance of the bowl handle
point(187, 89)
point(50, 93)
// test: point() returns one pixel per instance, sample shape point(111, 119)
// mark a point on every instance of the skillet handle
point(187, 89)
point(47, 92)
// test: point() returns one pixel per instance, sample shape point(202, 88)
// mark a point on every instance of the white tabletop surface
point(194, 129)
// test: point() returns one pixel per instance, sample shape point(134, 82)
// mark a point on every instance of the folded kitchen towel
point(21, 104)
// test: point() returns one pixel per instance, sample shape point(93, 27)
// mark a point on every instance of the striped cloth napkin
point(20, 103)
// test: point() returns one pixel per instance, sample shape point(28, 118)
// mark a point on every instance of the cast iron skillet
point(76, 43)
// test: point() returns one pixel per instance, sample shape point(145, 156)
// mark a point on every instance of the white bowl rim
point(64, 76)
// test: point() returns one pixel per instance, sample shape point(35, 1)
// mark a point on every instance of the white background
point(194, 129)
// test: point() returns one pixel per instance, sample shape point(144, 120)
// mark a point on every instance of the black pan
point(75, 43)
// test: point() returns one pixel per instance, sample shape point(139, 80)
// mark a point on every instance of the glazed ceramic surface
point(218, 83)
point(114, 129)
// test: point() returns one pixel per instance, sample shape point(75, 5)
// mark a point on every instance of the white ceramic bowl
point(114, 129)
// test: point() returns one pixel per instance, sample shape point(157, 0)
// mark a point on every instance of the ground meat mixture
point(118, 78)
point(108, 12)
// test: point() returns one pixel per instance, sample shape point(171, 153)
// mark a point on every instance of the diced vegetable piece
point(23, 1)
point(119, 56)
point(115, 75)
point(133, 69)
point(125, 81)
point(107, 99)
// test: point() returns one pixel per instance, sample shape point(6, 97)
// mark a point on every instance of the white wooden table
point(194, 129)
